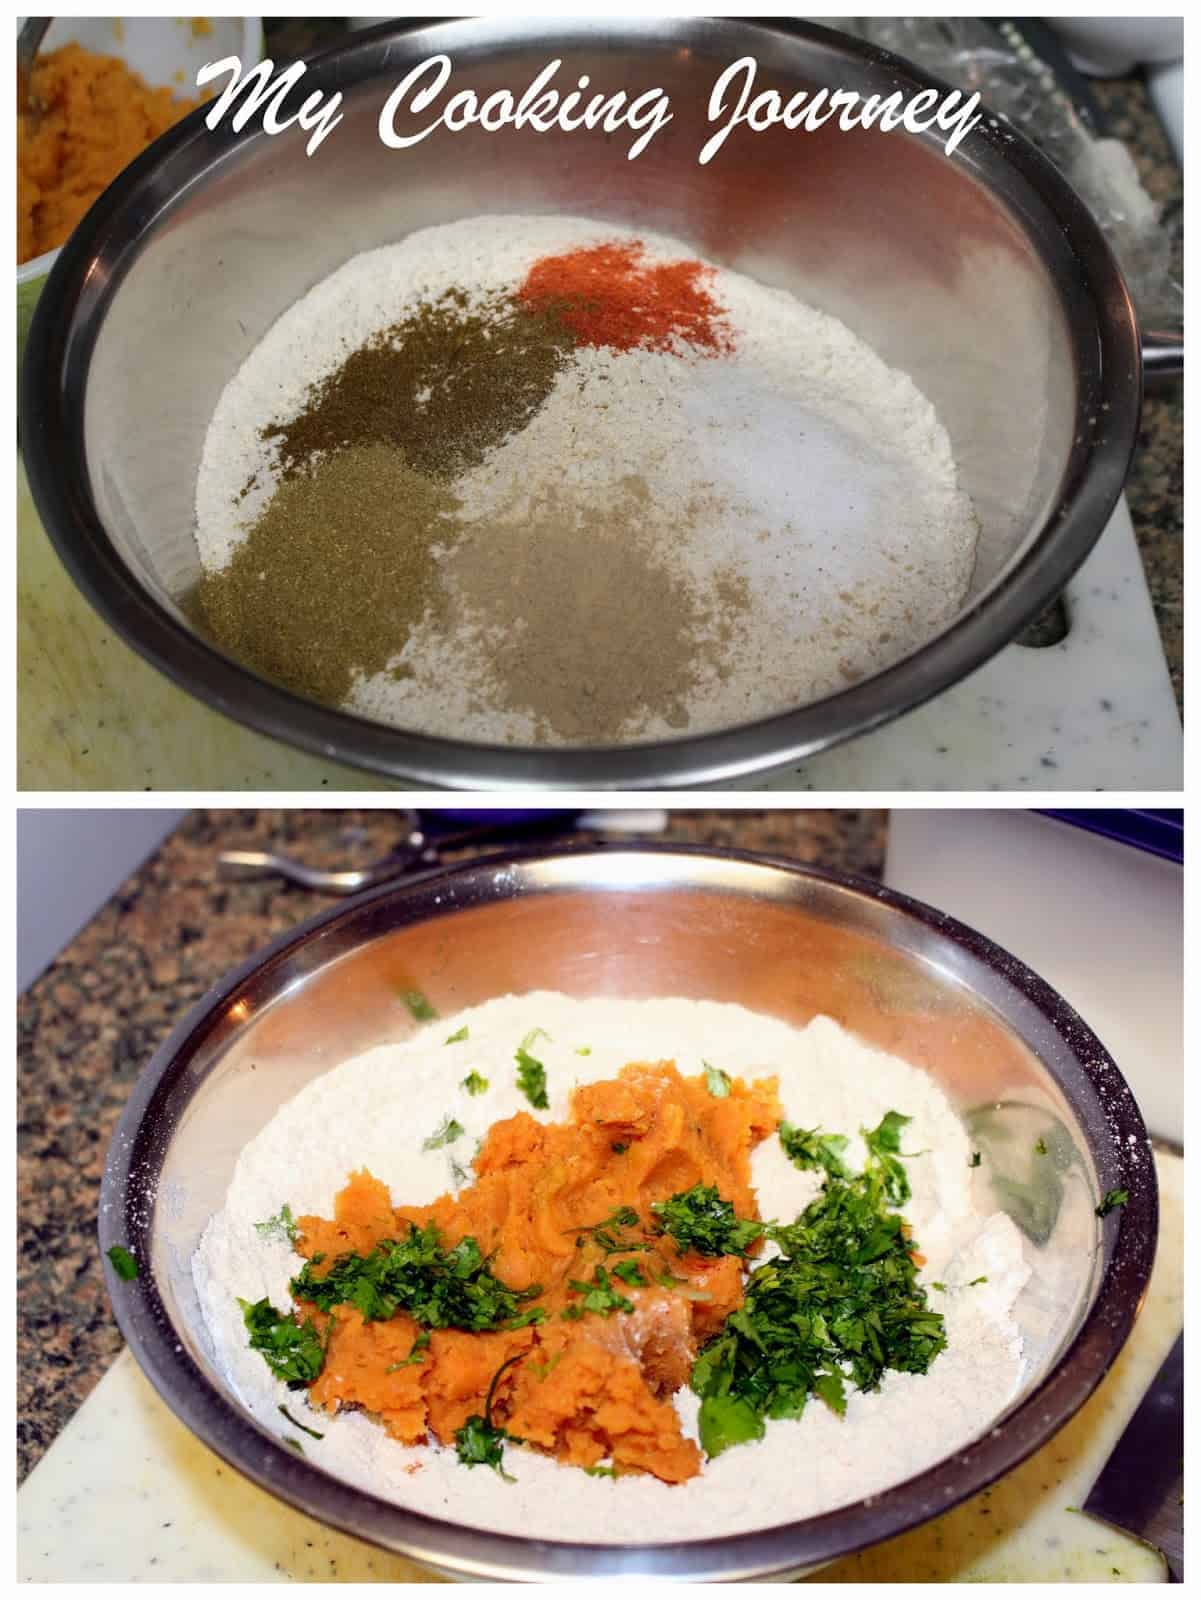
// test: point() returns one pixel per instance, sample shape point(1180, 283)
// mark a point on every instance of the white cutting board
point(1094, 712)
point(126, 1494)
point(93, 715)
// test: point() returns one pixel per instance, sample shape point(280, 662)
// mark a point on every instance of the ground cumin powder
point(335, 573)
point(445, 385)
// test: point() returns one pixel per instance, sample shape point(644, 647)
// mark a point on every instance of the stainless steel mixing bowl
point(783, 940)
point(982, 276)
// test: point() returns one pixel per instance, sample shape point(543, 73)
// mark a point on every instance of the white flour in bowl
point(376, 1110)
point(798, 472)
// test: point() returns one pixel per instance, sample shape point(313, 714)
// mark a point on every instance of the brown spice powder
point(445, 385)
point(335, 573)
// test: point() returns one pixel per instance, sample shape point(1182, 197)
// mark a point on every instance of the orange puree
point(91, 117)
point(587, 1390)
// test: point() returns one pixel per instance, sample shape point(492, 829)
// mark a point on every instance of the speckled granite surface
point(93, 1019)
point(1155, 488)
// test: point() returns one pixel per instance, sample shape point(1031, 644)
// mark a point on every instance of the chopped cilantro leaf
point(474, 1083)
point(312, 1432)
point(602, 1472)
point(123, 1263)
point(419, 1007)
point(531, 1077)
point(533, 1036)
point(583, 1050)
point(884, 1144)
point(281, 1226)
point(975, 1159)
point(1113, 1199)
point(699, 1219)
point(294, 1444)
point(599, 1296)
point(839, 1307)
point(607, 1236)
point(619, 1149)
point(293, 1350)
point(416, 1353)
point(438, 1288)
point(479, 1442)
point(716, 1081)
point(974, 1281)
point(629, 1272)
point(446, 1133)
point(812, 1150)
point(941, 1287)
point(458, 1037)
point(1040, 1148)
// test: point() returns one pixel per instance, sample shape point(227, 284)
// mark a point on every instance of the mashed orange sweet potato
point(586, 1390)
point(90, 117)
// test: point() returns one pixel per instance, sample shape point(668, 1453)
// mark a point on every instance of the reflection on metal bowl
point(780, 939)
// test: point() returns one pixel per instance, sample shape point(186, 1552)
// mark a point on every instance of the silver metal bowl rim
point(136, 1153)
point(52, 442)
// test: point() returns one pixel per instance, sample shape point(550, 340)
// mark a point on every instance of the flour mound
point(375, 1111)
point(800, 474)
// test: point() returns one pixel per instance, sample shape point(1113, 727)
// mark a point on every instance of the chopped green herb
point(531, 1076)
point(456, 1038)
point(884, 1143)
point(599, 1296)
point(281, 1226)
point(812, 1150)
point(294, 1444)
point(939, 1286)
point(438, 1288)
point(1113, 1199)
point(583, 1050)
point(474, 1083)
point(611, 1472)
point(699, 1219)
point(458, 1174)
point(716, 1081)
point(416, 1353)
point(419, 1007)
point(293, 1350)
point(312, 1432)
point(123, 1263)
point(619, 1149)
point(543, 1369)
point(446, 1133)
point(630, 1272)
point(972, 1284)
point(607, 1235)
point(479, 1443)
point(842, 1305)
point(533, 1036)
point(975, 1159)
point(1040, 1148)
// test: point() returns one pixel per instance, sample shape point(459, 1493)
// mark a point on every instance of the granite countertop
point(91, 1022)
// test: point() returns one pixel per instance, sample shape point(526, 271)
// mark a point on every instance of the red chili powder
point(606, 297)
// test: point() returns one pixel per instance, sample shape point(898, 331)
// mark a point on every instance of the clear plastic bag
point(1017, 84)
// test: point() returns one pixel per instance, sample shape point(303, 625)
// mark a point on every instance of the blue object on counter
point(1160, 833)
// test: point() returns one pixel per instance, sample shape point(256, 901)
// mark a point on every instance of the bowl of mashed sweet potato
point(102, 90)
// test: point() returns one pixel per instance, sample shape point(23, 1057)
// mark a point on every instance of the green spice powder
point(335, 573)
